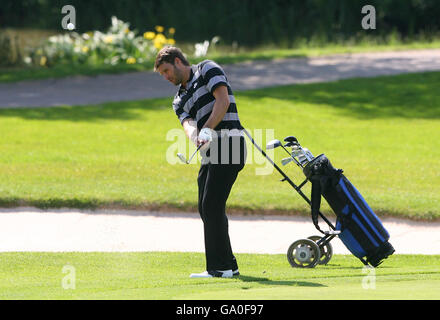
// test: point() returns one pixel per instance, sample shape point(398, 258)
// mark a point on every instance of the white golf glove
point(205, 135)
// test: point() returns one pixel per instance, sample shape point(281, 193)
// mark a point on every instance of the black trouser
point(215, 181)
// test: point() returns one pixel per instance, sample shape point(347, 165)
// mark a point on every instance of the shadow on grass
point(267, 281)
point(403, 96)
point(124, 110)
point(54, 203)
point(357, 267)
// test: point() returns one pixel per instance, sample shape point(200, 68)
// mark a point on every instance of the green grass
point(14, 74)
point(222, 55)
point(165, 275)
point(384, 132)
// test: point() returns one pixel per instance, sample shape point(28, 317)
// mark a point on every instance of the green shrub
point(10, 53)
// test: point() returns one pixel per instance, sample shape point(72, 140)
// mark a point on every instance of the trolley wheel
point(326, 250)
point(303, 253)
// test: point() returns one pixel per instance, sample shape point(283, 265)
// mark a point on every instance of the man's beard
point(178, 76)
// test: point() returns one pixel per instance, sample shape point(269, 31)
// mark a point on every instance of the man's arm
point(220, 107)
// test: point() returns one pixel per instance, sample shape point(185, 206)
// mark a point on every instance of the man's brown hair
point(169, 54)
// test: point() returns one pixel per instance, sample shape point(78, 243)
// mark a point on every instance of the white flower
point(201, 49)
point(53, 39)
point(114, 21)
point(215, 40)
point(114, 61)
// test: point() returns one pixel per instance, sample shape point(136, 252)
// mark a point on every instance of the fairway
point(384, 132)
point(165, 276)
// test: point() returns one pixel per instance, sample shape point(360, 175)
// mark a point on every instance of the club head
point(291, 139)
point(295, 152)
point(182, 158)
point(286, 161)
point(273, 144)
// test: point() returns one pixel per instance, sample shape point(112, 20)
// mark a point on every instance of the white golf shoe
point(213, 274)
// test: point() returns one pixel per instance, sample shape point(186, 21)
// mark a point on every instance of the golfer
point(205, 106)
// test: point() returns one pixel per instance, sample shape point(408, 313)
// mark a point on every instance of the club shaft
point(192, 156)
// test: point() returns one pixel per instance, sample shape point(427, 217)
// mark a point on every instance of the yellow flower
point(127, 30)
point(108, 39)
point(131, 60)
point(171, 41)
point(43, 61)
point(85, 49)
point(149, 35)
point(159, 41)
point(159, 28)
point(160, 38)
point(172, 30)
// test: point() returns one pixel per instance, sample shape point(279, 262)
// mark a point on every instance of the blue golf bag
point(359, 228)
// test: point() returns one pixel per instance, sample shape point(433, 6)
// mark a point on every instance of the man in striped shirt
point(205, 106)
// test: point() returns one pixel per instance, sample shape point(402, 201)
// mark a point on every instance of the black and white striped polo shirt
point(197, 100)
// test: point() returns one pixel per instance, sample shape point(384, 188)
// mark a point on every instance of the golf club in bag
point(357, 226)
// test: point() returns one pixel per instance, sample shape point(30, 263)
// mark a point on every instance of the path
point(83, 90)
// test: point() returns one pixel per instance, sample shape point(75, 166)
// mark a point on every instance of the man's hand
point(205, 136)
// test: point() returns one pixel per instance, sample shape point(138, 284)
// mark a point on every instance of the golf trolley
point(357, 226)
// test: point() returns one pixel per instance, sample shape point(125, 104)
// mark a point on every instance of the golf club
point(285, 161)
point(273, 144)
point(291, 142)
point(183, 158)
